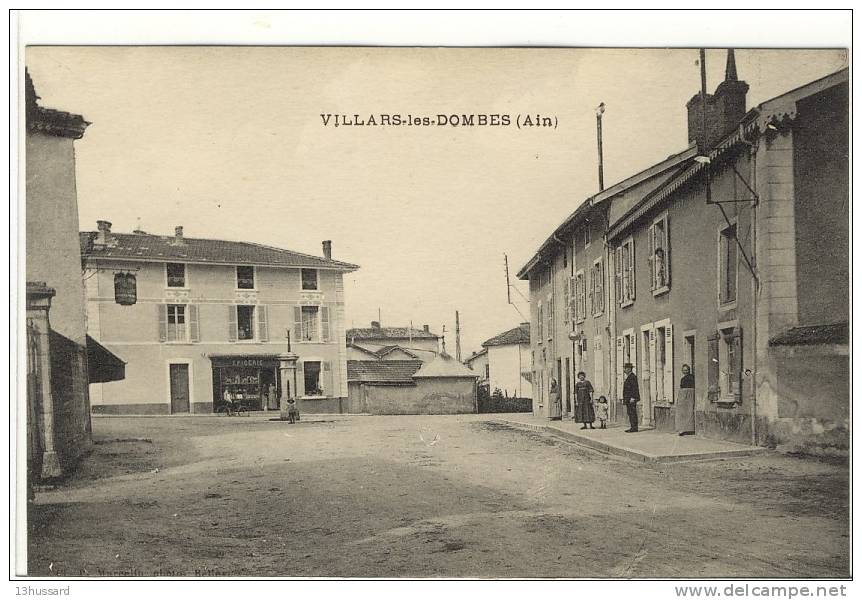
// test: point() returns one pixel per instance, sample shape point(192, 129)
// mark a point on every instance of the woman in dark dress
point(584, 412)
point(685, 403)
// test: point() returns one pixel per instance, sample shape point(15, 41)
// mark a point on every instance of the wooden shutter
point(567, 298)
point(162, 312)
point(326, 378)
point(652, 364)
point(632, 270)
point(619, 367)
point(618, 273)
point(324, 323)
point(592, 290)
point(651, 257)
point(712, 367)
point(231, 323)
point(540, 321)
point(194, 323)
point(667, 251)
point(736, 367)
point(599, 366)
point(551, 315)
point(668, 364)
point(297, 323)
point(634, 350)
point(262, 323)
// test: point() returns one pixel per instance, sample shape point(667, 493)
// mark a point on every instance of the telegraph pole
point(457, 337)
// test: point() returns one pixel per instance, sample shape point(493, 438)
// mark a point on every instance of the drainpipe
point(755, 294)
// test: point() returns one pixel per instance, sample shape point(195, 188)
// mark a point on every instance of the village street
point(424, 496)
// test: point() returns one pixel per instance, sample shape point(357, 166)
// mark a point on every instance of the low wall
point(431, 396)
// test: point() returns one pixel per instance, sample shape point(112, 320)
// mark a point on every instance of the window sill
point(598, 314)
point(245, 289)
point(314, 397)
point(662, 290)
point(627, 303)
point(177, 289)
point(727, 402)
point(310, 290)
point(179, 342)
point(727, 306)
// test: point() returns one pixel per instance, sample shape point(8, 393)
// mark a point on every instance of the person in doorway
point(631, 396)
point(602, 412)
point(227, 397)
point(554, 396)
point(584, 411)
point(685, 403)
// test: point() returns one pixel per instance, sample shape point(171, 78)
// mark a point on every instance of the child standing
point(602, 412)
point(292, 411)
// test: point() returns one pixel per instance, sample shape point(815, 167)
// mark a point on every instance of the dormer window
point(245, 278)
point(176, 275)
point(309, 279)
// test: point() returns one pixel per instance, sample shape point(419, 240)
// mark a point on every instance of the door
point(179, 388)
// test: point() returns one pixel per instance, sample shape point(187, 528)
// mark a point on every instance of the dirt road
point(436, 496)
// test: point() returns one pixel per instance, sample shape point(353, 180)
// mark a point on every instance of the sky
point(229, 142)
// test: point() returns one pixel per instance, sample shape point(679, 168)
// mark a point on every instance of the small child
point(292, 411)
point(602, 411)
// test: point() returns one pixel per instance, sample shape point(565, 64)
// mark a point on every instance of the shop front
point(249, 380)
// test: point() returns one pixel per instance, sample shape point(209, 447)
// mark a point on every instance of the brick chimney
point(724, 109)
point(425, 329)
point(327, 249)
point(375, 324)
point(178, 236)
point(104, 228)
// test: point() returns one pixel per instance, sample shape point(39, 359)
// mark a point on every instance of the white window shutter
point(668, 364)
point(162, 312)
point(632, 271)
point(297, 324)
point(618, 265)
point(619, 367)
point(592, 291)
point(651, 257)
point(231, 323)
point(194, 323)
point(667, 251)
point(324, 323)
point(262, 323)
point(652, 363)
point(326, 378)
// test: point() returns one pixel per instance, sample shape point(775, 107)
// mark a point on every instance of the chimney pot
point(425, 329)
point(178, 231)
point(104, 228)
point(327, 249)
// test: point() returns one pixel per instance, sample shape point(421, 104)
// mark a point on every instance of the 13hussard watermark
point(519, 121)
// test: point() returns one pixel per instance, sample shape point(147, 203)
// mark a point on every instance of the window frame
point(627, 285)
point(316, 287)
point(720, 262)
point(318, 327)
point(658, 290)
point(186, 329)
point(254, 324)
point(185, 285)
point(253, 277)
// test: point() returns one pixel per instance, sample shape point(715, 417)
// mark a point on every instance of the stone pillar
point(38, 304)
point(287, 376)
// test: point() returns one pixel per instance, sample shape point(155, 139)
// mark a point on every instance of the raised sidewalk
point(647, 445)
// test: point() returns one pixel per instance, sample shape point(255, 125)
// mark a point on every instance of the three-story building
point(210, 320)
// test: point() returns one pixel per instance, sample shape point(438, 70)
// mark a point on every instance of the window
point(624, 278)
point(487, 371)
point(540, 321)
point(245, 278)
point(245, 322)
point(727, 257)
point(309, 279)
point(659, 255)
point(311, 374)
point(176, 323)
point(724, 367)
point(580, 297)
point(176, 275)
point(311, 323)
point(550, 316)
point(587, 235)
point(597, 287)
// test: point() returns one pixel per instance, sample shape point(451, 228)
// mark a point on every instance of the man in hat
point(631, 396)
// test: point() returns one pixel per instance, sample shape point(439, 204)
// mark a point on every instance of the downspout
point(755, 294)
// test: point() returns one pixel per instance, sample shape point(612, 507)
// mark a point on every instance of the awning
point(103, 365)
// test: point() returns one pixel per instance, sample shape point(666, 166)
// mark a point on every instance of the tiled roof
point(48, 120)
point(834, 333)
point(381, 333)
point(145, 246)
point(382, 371)
point(444, 365)
point(392, 348)
point(518, 335)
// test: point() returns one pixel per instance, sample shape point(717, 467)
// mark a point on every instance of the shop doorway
point(179, 382)
point(249, 380)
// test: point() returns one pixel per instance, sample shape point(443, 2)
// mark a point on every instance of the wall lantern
point(125, 289)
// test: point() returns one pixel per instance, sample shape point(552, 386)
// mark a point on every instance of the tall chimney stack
point(724, 109)
point(104, 228)
point(327, 249)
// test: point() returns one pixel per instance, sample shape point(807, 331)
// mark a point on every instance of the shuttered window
point(324, 324)
point(625, 272)
point(194, 324)
point(262, 323)
point(713, 365)
point(659, 255)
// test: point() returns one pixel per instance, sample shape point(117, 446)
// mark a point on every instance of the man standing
point(631, 396)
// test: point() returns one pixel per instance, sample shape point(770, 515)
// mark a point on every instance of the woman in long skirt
point(584, 411)
point(685, 403)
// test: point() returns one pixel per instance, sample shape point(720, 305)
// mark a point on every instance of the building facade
point(729, 257)
point(510, 364)
point(214, 316)
point(478, 363)
point(60, 356)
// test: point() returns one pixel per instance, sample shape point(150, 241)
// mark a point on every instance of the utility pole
point(457, 337)
point(600, 110)
point(705, 150)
